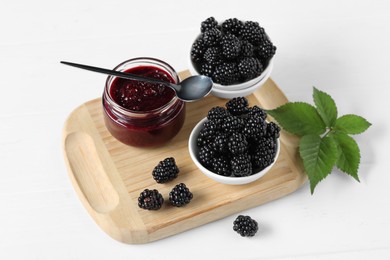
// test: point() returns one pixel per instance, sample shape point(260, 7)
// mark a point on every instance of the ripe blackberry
point(254, 128)
point(233, 26)
point(206, 155)
point(150, 200)
point(213, 125)
point(198, 49)
point(180, 195)
point(245, 226)
point(246, 49)
point(241, 165)
point(220, 143)
point(208, 24)
point(273, 130)
point(237, 143)
point(220, 165)
point(232, 124)
point(265, 52)
point(208, 132)
point(216, 113)
point(207, 69)
point(249, 68)
point(231, 47)
point(237, 106)
point(264, 154)
point(200, 141)
point(212, 56)
point(257, 111)
point(212, 37)
point(253, 33)
point(165, 170)
point(206, 135)
point(226, 73)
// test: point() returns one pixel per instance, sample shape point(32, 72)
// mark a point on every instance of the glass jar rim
point(153, 61)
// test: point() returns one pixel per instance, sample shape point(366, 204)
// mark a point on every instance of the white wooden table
point(340, 47)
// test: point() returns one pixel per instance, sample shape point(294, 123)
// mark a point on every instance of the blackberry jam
point(143, 114)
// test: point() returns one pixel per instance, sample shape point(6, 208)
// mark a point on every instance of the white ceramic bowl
point(193, 150)
point(240, 86)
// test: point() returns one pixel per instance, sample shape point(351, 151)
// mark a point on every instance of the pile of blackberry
point(165, 171)
point(237, 140)
point(231, 52)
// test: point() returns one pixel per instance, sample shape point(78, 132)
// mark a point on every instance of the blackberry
point(232, 124)
point(212, 56)
point(233, 26)
point(265, 52)
point(165, 170)
point(255, 127)
point(226, 73)
point(249, 68)
point(273, 130)
point(213, 125)
point(237, 106)
point(264, 154)
point(198, 49)
point(208, 132)
point(253, 33)
point(200, 141)
point(220, 143)
point(180, 195)
point(220, 165)
point(216, 113)
point(207, 69)
point(231, 47)
point(206, 136)
point(206, 155)
point(150, 200)
point(246, 49)
point(208, 24)
point(245, 226)
point(237, 143)
point(257, 111)
point(241, 165)
point(212, 37)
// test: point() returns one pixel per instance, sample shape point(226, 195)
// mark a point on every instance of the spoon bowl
point(191, 89)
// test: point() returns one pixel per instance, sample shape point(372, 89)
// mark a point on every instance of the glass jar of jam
point(143, 114)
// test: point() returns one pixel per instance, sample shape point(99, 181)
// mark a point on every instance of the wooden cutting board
point(108, 176)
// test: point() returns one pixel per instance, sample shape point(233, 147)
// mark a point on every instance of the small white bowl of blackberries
point(235, 144)
point(236, 54)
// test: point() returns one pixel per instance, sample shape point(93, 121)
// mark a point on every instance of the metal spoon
point(191, 89)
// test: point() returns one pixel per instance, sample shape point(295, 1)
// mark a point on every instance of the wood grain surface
point(108, 176)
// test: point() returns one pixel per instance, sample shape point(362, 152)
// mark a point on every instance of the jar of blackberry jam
point(143, 114)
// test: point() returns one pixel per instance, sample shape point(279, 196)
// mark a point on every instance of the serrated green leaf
point(298, 118)
point(348, 154)
point(352, 124)
point(326, 107)
point(319, 155)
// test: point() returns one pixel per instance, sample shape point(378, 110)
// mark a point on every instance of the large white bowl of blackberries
point(236, 54)
point(235, 144)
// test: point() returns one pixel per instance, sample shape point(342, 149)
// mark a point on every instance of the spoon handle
point(115, 73)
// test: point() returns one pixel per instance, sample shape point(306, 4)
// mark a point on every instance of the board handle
point(97, 180)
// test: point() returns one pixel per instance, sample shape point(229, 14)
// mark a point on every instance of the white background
point(340, 47)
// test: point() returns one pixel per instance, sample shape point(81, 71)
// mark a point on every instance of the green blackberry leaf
point(326, 107)
point(319, 156)
point(299, 118)
point(352, 124)
point(348, 154)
